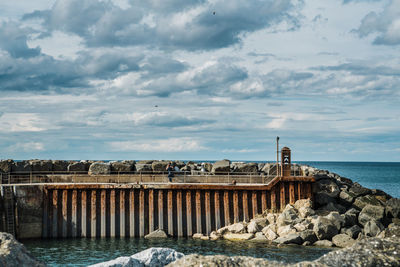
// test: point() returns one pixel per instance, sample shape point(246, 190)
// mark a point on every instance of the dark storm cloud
point(170, 24)
point(384, 24)
point(13, 39)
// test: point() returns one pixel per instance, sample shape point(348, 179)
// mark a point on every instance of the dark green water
point(82, 252)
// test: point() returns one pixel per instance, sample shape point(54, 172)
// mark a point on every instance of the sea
point(82, 252)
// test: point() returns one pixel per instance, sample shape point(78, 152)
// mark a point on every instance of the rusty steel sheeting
point(122, 213)
point(264, 200)
point(74, 213)
point(112, 213)
point(217, 210)
point(273, 199)
point(207, 203)
point(161, 209)
point(141, 215)
point(245, 201)
point(226, 208)
point(83, 215)
point(45, 225)
point(132, 223)
point(292, 198)
point(235, 206)
point(254, 203)
point(179, 208)
point(103, 213)
point(189, 213)
point(93, 214)
point(198, 212)
point(282, 195)
point(54, 214)
point(170, 213)
point(151, 210)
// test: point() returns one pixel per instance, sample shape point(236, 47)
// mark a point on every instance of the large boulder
point(269, 233)
point(253, 227)
point(221, 167)
point(6, 165)
point(143, 168)
point(193, 260)
point(342, 240)
point(60, 166)
point(99, 168)
point(125, 166)
point(323, 243)
point(350, 217)
point(148, 257)
point(352, 231)
point(286, 230)
point(337, 219)
point(346, 198)
point(237, 237)
point(260, 221)
point(245, 168)
point(361, 202)
point(325, 228)
point(393, 208)
point(326, 191)
point(13, 253)
point(269, 169)
point(21, 166)
point(159, 166)
point(357, 190)
point(42, 166)
point(78, 167)
point(289, 239)
point(237, 228)
point(288, 216)
point(156, 234)
point(369, 212)
point(308, 235)
point(303, 203)
point(372, 228)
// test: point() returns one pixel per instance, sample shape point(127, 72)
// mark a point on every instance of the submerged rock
point(156, 234)
point(149, 257)
point(237, 237)
point(13, 253)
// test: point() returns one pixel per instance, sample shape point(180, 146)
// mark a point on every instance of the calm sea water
point(81, 252)
point(373, 175)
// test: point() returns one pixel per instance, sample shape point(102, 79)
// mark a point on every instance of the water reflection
point(82, 252)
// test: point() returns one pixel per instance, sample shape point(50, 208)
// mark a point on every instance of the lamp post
point(277, 156)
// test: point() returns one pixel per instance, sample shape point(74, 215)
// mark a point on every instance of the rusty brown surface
point(299, 195)
point(207, 203)
point(161, 209)
point(179, 208)
point(45, 219)
point(54, 214)
point(198, 212)
point(189, 212)
point(292, 197)
point(74, 213)
point(226, 208)
point(122, 213)
point(264, 200)
point(170, 213)
point(273, 199)
point(235, 206)
point(254, 203)
point(245, 201)
point(64, 212)
point(141, 209)
point(83, 214)
point(217, 210)
point(112, 213)
point(151, 210)
point(103, 213)
point(132, 225)
point(282, 195)
point(93, 213)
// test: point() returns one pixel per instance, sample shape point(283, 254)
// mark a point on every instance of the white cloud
point(27, 147)
point(23, 122)
point(184, 144)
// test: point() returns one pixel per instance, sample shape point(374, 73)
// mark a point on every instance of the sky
point(200, 79)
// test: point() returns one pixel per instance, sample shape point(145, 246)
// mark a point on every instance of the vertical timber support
point(112, 213)
point(235, 206)
point(198, 212)
point(83, 214)
point(141, 209)
point(264, 200)
point(103, 213)
point(254, 203)
point(292, 198)
point(217, 210)
point(179, 208)
point(93, 214)
point(74, 213)
point(207, 200)
point(151, 210)
point(170, 218)
point(132, 208)
point(122, 213)
point(282, 195)
point(189, 212)
point(226, 208)
point(245, 201)
point(161, 209)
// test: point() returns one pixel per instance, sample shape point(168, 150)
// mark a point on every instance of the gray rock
point(6, 165)
point(289, 239)
point(393, 208)
point(79, 167)
point(13, 253)
point(352, 231)
point(324, 228)
point(327, 187)
point(259, 236)
point(304, 212)
point(214, 235)
point(269, 233)
point(369, 252)
point(42, 166)
point(308, 235)
point(221, 167)
point(346, 198)
point(261, 222)
point(149, 257)
point(126, 166)
point(285, 230)
point(350, 217)
point(159, 166)
point(288, 216)
point(22, 167)
point(237, 237)
point(99, 168)
point(337, 219)
point(60, 166)
point(357, 190)
point(303, 203)
point(369, 213)
point(237, 228)
point(252, 227)
point(342, 240)
point(246, 168)
point(269, 169)
point(373, 228)
point(156, 234)
point(143, 168)
point(361, 202)
point(332, 206)
point(323, 243)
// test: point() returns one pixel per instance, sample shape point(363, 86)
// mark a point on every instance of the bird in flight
point(213, 12)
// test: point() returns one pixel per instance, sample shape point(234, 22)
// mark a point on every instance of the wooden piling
point(93, 214)
point(207, 201)
point(83, 213)
point(179, 212)
point(74, 213)
point(170, 213)
point(264, 201)
point(54, 214)
point(112, 213)
point(189, 213)
point(245, 201)
point(132, 208)
point(254, 203)
point(226, 208)
point(122, 213)
point(282, 195)
point(103, 213)
point(45, 224)
point(151, 210)
point(292, 198)
point(161, 209)
point(141, 209)
point(217, 210)
point(235, 206)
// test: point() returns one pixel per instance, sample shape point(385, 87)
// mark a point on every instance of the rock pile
point(342, 213)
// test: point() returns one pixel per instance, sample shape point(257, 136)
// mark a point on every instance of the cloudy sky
point(200, 79)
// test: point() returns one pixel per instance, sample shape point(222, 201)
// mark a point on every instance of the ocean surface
point(82, 252)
